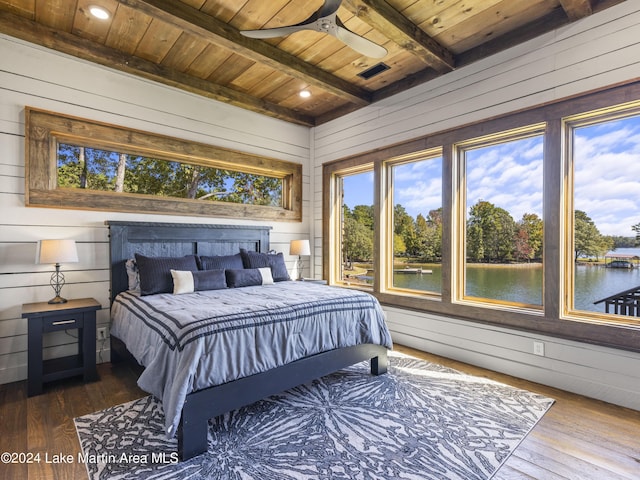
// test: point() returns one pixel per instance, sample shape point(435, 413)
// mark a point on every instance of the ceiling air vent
point(373, 71)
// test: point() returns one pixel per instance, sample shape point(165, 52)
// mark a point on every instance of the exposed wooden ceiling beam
point(396, 27)
point(69, 44)
point(576, 9)
point(549, 22)
point(205, 26)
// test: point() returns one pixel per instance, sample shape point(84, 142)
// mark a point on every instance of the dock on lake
point(417, 271)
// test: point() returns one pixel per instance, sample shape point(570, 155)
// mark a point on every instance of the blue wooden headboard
point(175, 240)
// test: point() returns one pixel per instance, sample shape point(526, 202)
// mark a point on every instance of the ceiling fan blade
point(312, 23)
point(360, 44)
point(274, 32)
point(329, 7)
point(324, 20)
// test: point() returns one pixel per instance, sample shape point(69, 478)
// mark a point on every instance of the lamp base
point(300, 268)
point(57, 299)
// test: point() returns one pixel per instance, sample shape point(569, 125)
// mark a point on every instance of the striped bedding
point(192, 341)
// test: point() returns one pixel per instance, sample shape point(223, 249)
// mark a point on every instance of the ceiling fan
point(325, 20)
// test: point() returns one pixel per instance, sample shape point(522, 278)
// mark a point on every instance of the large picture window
point(530, 220)
point(414, 259)
point(82, 164)
point(108, 171)
point(603, 149)
point(503, 240)
point(354, 222)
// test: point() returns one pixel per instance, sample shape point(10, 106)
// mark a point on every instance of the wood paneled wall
point(37, 77)
point(596, 52)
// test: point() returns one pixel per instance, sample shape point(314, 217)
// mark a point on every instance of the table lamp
point(57, 252)
point(299, 247)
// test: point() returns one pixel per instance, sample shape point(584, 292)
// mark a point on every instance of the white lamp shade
point(299, 247)
point(57, 251)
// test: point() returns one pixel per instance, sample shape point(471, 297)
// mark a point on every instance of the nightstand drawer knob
point(63, 322)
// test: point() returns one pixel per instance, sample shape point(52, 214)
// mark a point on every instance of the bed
point(246, 368)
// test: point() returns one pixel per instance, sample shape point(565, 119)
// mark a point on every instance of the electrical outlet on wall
point(102, 333)
point(538, 348)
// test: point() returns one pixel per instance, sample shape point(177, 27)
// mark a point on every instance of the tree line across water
point(493, 236)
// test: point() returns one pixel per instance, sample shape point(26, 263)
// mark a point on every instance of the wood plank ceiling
point(196, 45)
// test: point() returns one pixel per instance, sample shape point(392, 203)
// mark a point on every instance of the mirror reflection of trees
point(95, 169)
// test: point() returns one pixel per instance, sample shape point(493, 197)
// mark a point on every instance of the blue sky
point(607, 178)
point(509, 175)
point(607, 175)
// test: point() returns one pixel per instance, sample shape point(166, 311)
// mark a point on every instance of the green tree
point(435, 239)
point(475, 243)
point(399, 248)
point(422, 236)
point(605, 244)
point(623, 242)
point(493, 229)
point(357, 242)
point(587, 240)
point(80, 167)
point(636, 228)
point(402, 221)
point(152, 176)
point(410, 240)
point(429, 235)
point(70, 168)
point(529, 237)
point(363, 214)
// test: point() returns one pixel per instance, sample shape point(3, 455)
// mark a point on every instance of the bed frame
point(171, 239)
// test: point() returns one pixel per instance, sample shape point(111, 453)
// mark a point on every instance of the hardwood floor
point(579, 438)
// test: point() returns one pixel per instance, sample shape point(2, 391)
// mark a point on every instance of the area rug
point(419, 421)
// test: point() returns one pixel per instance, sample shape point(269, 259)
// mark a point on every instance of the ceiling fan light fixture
point(305, 93)
point(99, 12)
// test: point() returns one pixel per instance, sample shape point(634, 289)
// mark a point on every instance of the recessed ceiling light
point(99, 12)
point(305, 93)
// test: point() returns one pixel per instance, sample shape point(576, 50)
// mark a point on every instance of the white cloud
point(607, 175)
point(508, 175)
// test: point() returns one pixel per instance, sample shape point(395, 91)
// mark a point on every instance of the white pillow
point(267, 278)
point(182, 281)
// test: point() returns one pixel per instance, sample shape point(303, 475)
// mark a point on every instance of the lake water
point(523, 284)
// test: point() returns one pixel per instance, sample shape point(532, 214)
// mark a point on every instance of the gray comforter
point(192, 341)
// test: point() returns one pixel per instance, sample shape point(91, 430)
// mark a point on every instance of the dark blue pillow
point(220, 262)
point(155, 272)
point(246, 277)
point(209, 280)
point(185, 281)
point(259, 260)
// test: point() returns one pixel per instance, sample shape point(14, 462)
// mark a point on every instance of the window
point(108, 171)
point(604, 259)
point(355, 224)
point(82, 164)
point(539, 213)
point(415, 209)
point(503, 218)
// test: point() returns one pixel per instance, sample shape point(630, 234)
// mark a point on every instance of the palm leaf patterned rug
point(419, 421)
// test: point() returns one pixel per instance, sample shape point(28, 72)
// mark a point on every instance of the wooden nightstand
point(44, 317)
